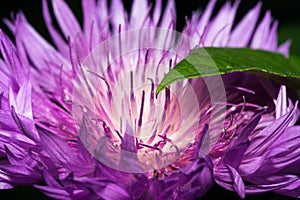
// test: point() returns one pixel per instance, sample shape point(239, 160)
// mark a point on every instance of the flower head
point(80, 120)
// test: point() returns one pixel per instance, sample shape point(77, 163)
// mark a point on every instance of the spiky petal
point(40, 141)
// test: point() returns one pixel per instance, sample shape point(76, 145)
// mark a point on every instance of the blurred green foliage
point(291, 31)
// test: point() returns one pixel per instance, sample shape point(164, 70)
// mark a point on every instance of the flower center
point(126, 126)
point(121, 122)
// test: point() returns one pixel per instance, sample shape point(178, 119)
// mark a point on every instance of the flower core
point(121, 121)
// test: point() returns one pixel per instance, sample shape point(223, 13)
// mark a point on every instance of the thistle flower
point(262, 156)
point(80, 120)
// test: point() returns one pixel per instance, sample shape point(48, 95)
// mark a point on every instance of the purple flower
point(80, 120)
point(263, 155)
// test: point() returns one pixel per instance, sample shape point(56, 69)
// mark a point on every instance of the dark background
point(287, 12)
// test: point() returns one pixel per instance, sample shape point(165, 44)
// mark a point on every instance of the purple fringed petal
point(18, 175)
point(284, 152)
point(1, 97)
point(218, 32)
point(235, 153)
point(267, 136)
point(259, 188)
point(238, 183)
point(40, 52)
point(112, 191)
point(111, 174)
point(261, 37)
point(157, 12)
point(40, 143)
point(255, 155)
point(285, 48)
point(169, 17)
point(200, 181)
point(272, 42)
point(204, 19)
point(20, 169)
point(139, 14)
point(121, 18)
point(91, 23)
point(84, 188)
point(293, 189)
point(83, 152)
point(69, 188)
point(289, 139)
point(14, 130)
point(53, 192)
point(25, 126)
point(61, 153)
point(5, 186)
point(66, 19)
point(229, 178)
point(242, 33)
point(15, 70)
point(265, 158)
point(281, 103)
point(89, 16)
point(49, 180)
point(56, 37)
point(192, 181)
point(103, 19)
point(23, 101)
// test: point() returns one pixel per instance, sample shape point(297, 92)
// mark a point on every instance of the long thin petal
point(59, 151)
point(285, 48)
point(138, 13)
point(262, 33)
point(218, 31)
point(270, 134)
point(57, 38)
point(66, 19)
point(229, 178)
point(242, 33)
point(121, 18)
point(169, 18)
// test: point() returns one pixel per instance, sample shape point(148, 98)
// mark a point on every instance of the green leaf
point(213, 61)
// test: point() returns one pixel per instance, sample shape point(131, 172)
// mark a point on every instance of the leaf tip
point(158, 90)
